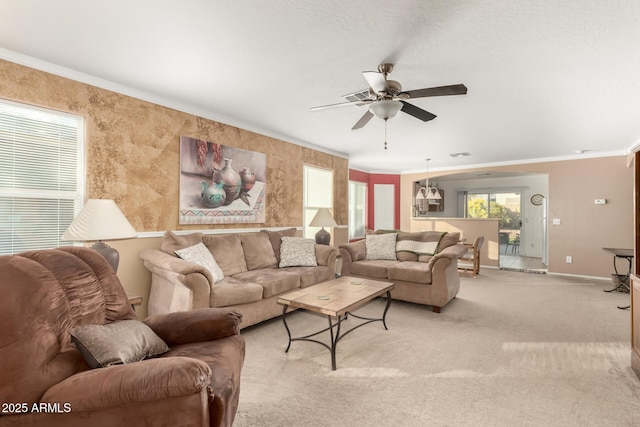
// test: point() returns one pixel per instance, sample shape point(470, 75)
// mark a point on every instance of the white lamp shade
point(99, 219)
point(433, 194)
point(323, 218)
point(386, 109)
point(421, 194)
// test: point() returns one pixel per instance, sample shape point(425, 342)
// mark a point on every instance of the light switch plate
point(556, 221)
point(601, 201)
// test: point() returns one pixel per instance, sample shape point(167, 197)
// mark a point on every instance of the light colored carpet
point(513, 349)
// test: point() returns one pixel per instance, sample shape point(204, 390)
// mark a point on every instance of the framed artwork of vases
point(220, 184)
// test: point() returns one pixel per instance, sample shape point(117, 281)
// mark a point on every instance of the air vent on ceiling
point(465, 154)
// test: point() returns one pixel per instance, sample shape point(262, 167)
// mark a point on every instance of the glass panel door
point(505, 207)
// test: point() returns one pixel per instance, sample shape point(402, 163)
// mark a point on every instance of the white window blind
point(357, 209)
point(40, 176)
point(318, 193)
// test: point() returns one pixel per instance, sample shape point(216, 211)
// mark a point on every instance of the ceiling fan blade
point(363, 120)
point(341, 104)
point(417, 112)
point(438, 91)
point(376, 81)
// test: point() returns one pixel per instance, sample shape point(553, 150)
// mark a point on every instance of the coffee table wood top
point(336, 297)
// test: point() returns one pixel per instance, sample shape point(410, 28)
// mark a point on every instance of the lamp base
point(109, 253)
point(323, 237)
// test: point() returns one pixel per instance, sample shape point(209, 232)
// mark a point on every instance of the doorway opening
point(506, 206)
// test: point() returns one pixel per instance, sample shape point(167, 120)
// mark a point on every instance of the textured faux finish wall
point(133, 151)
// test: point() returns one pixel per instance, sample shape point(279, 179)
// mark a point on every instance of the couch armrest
point(130, 384)
point(326, 255)
point(176, 284)
point(205, 324)
point(165, 261)
point(351, 252)
point(451, 253)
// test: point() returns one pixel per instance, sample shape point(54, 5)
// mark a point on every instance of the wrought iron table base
point(337, 325)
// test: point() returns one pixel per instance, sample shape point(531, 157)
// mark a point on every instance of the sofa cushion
point(381, 246)
point(297, 251)
point(227, 251)
point(312, 275)
point(410, 271)
point(201, 255)
point(171, 242)
point(117, 343)
point(232, 291)
point(274, 281)
point(275, 239)
point(372, 268)
point(258, 251)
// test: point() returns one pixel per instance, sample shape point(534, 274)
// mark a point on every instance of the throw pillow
point(297, 251)
point(117, 343)
point(201, 256)
point(381, 246)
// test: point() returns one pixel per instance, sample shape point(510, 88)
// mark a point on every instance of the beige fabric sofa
point(252, 279)
point(418, 276)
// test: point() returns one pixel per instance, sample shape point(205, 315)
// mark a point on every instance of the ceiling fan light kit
point(386, 98)
point(386, 109)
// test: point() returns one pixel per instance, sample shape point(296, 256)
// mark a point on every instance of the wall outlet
point(556, 221)
point(601, 201)
point(569, 259)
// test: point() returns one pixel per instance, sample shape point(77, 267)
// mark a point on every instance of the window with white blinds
point(41, 176)
point(318, 193)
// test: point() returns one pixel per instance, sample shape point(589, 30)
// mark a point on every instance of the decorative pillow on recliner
point(297, 252)
point(201, 255)
point(117, 343)
point(381, 246)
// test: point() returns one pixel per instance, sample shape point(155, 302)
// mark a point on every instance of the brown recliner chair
point(44, 380)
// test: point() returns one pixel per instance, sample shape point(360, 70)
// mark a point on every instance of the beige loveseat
point(422, 265)
point(252, 276)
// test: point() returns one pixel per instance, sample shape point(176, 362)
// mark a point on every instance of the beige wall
point(132, 156)
point(585, 227)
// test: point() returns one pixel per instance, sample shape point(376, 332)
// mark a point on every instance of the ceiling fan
point(385, 98)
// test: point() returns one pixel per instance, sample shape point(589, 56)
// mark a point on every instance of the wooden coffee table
point(336, 299)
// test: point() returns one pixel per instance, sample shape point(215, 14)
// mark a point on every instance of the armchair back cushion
point(44, 294)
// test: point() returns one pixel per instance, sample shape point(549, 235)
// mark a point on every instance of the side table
point(134, 300)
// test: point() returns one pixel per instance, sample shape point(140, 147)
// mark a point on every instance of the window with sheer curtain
point(318, 193)
point(357, 209)
point(41, 176)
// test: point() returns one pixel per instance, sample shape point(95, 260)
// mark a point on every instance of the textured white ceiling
point(546, 78)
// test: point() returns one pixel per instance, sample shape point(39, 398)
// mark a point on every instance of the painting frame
point(221, 184)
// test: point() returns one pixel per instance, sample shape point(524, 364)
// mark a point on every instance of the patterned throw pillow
point(201, 256)
point(381, 246)
point(297, 252)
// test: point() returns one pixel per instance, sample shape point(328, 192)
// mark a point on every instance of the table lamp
point(101, 219)
point(323, 218)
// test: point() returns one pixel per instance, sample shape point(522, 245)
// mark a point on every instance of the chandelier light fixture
point(432, 192)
